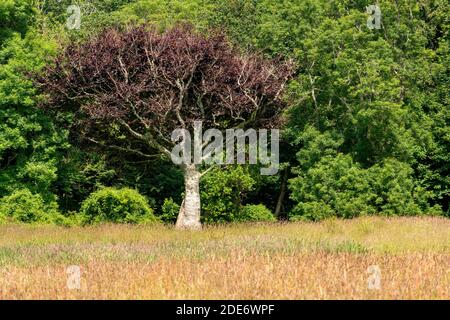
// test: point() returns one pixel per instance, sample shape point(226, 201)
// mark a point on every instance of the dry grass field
point(327, 260)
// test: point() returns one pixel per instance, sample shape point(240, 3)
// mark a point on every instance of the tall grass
point(327, 260)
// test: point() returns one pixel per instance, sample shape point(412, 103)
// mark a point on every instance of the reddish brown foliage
point(149, 84)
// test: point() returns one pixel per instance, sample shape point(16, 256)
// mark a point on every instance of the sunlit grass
point(264, 261)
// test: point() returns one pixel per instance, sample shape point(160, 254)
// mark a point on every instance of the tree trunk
point(189, 215)
point(282, 193)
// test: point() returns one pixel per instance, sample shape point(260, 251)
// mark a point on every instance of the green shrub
point(2, 219)
point(116, 205)
point(24, 206)
point(312, 211)
point(337, 186)
point(330, 183)
point(170, 211)
point(222, 192)
point(255, 213)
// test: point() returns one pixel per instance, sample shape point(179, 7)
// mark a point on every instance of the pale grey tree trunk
point(189, 215)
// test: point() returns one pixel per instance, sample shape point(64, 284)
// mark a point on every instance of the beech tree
point(129, 89)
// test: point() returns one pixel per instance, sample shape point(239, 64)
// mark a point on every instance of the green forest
point(365, 126)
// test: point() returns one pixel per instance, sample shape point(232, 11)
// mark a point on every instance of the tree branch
point(122, 149)
point(206, 171)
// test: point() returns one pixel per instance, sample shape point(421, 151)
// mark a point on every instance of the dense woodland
point(366, 130)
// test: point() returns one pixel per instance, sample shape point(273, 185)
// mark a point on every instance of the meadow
point(327, 260)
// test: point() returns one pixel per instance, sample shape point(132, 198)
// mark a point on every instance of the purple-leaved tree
point(128, 90)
